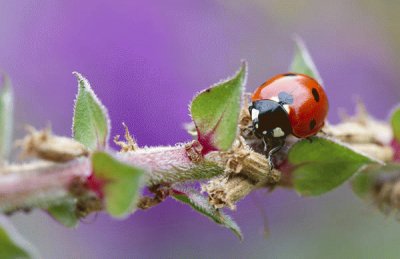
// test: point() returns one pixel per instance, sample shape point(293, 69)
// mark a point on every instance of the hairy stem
point(38, 183)
point(43, 183)
point(171, 164)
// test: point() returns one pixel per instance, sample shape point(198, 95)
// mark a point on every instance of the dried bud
point(245, 171)
point(226, 191)
point(386, 193)
point(364, 133)
point(130, 143)
point(193, 151)
point(361, 128)
point(44, 145)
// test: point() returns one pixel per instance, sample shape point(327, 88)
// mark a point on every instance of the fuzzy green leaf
point(215, 112)
point(364, 181)
point(65, 213)
point(302, 62)
point(122, 183)
point(322, 165)
point(91, 124)
point(12, 245)
point(200, 204)
point(6, 116)
point(395, 121)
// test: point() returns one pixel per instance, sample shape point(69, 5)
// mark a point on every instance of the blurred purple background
point(146, 60)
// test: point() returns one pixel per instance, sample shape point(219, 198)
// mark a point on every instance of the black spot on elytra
point(315, 94)
point(312, 124)
point(208, 90)
point(285, 98)
point(289, 74)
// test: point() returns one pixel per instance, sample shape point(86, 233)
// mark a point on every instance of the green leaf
point(12, 245)
point(6, 116)
point(302, 62)
point(364, 181)
point(123, 183)
point(91, 124)
point(200, 204)
point(65, 212)
point(322, 165)
point(395, 121)
point(215, 112)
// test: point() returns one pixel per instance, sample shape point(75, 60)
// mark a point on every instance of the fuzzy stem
point(171, 164)
point(41, 183)
point(38, 183)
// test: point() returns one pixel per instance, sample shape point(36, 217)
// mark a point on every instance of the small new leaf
point(395, 121)
point(6, 116)
point(91, 124)
point(12, 245)
point(200, 204)
point(302, 62)
point(322, 165)
point(122, 183)
point(215, 112)
point(65, 213)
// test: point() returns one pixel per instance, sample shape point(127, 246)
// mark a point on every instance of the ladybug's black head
point(270, 119)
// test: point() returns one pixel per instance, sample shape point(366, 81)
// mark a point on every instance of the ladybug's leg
point(250, 127)
point(324, 133)
point(273, 151)
point(265, 145)
point(271, 147)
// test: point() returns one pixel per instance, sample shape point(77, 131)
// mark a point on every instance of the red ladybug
point(287, 104)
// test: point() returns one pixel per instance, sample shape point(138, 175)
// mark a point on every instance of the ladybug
point(287, 104)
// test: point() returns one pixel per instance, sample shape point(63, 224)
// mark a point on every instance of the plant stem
point(38, 183)
point(171, 164)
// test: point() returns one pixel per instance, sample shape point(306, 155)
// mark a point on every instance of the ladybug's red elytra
point(287, 104)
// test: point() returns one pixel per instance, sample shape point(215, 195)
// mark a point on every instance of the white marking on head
point(287, 108)
point(275, 98)
point(264, 132)
point(278, 132)
point(254, 114)
point(257, 126)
